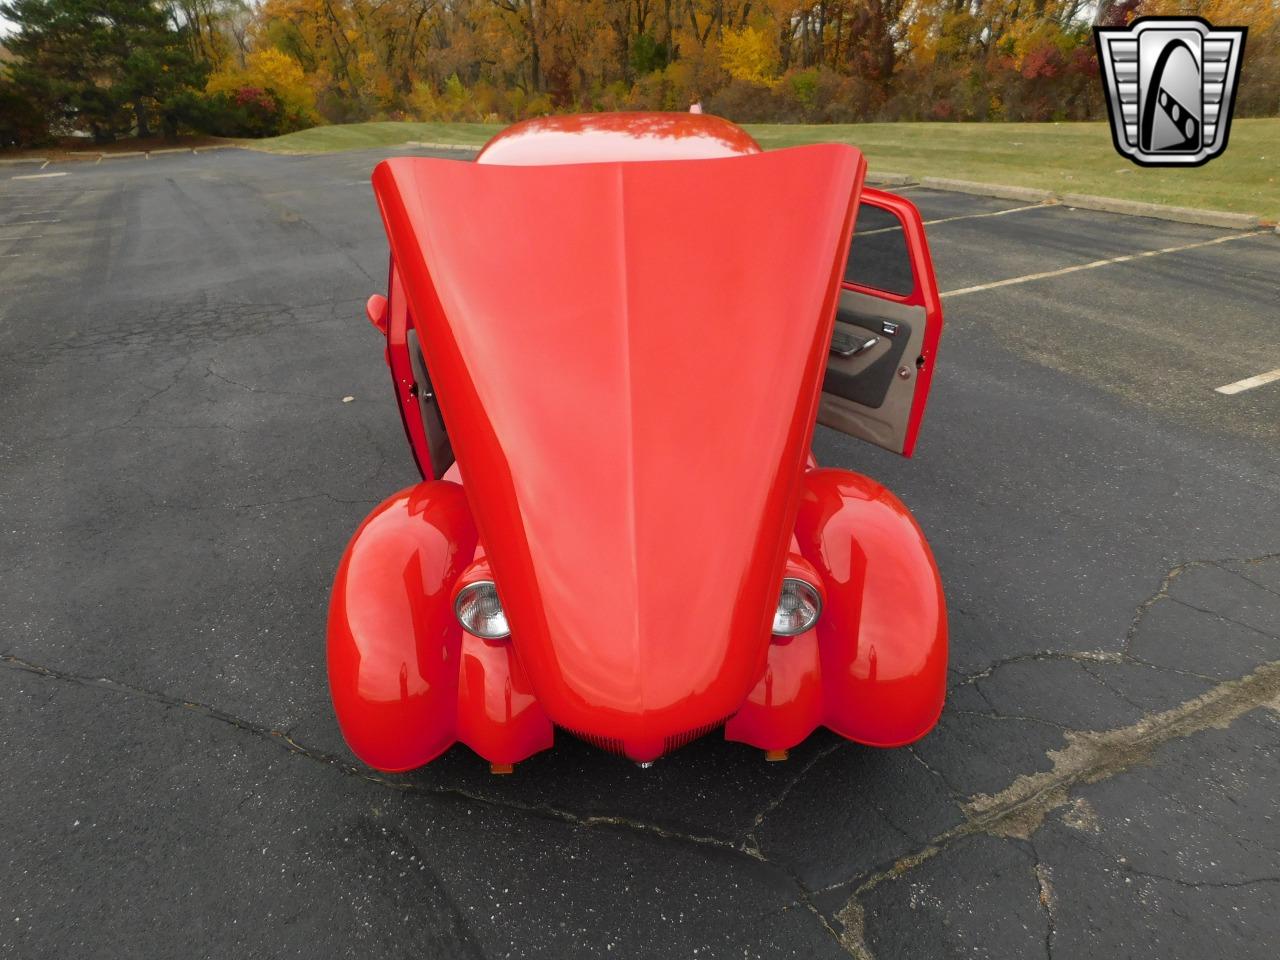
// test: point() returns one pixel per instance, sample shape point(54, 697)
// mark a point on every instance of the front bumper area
point(407, 682)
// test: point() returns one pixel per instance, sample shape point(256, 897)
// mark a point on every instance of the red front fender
point(874, 668)
point(406, 681)
point(883, 635)
point(394, 643)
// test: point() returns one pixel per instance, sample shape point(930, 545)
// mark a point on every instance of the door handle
point(850, 344)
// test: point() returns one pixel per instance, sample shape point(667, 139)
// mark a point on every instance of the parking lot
point(197, 416)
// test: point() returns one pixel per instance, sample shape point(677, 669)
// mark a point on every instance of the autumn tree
point(1259, 84)
point(101, 65)
point(277, 64)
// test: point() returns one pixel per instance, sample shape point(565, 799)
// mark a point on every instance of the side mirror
point(376, 310)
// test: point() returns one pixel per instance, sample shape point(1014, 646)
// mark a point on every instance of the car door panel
point(878, 394)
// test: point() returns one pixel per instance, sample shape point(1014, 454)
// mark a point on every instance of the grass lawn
point(359, 136)
point(1064, 157)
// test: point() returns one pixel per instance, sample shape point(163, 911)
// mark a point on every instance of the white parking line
point(26, 223)
point(966, 216)
point(1098, 263)
point(38, 236)
point(39, 176)
point(1248, 383)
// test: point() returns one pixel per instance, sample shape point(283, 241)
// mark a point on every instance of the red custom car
point(610, 339)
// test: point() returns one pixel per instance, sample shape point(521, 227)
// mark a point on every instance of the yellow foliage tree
point(749, 54)
point(1257, 15)
point(271, 69)
point(469, 59)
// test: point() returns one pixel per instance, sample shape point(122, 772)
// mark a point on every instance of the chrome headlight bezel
point(478, 604)
point(804, 606)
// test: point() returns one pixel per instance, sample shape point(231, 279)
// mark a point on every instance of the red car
point(610, 339)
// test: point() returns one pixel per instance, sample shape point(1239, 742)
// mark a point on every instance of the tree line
point(238, 68)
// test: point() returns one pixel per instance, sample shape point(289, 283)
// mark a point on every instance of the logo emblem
point(1171, 84)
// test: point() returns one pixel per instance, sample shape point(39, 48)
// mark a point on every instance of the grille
point(678, 740)
point(610, 744)
point(673, 742)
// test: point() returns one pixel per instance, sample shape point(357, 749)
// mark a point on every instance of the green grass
point(361, 136)
point(1063, 157)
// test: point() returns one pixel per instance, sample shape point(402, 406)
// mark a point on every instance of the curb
point(1082, 201)
point(1135, 208)
point(443, 146)
point(1003, 191)
point(99, 156)
point(890, 179)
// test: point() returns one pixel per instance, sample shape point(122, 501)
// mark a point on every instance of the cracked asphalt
point(179, 474)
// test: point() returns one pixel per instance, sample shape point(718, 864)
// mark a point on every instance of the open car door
point(887, 327)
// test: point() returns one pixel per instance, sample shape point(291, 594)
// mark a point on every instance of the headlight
point(798, 607)
point(480, 611)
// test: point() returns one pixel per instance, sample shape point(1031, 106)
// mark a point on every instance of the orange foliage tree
point(749, 59)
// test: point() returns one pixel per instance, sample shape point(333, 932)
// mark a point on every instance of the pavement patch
point(1178, 867)
point(1016, 812)
point(1019, 810)
point(1089, 757)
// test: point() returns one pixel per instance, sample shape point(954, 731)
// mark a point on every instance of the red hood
point(628, 357)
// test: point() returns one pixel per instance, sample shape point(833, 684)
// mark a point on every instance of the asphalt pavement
point(180, 469)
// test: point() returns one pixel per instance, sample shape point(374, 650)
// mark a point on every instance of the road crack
point(1088, 658)
point(1019, 810)
point(1048, 903)
point(750, 842)
point(1196, 884)
point(287, 742)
